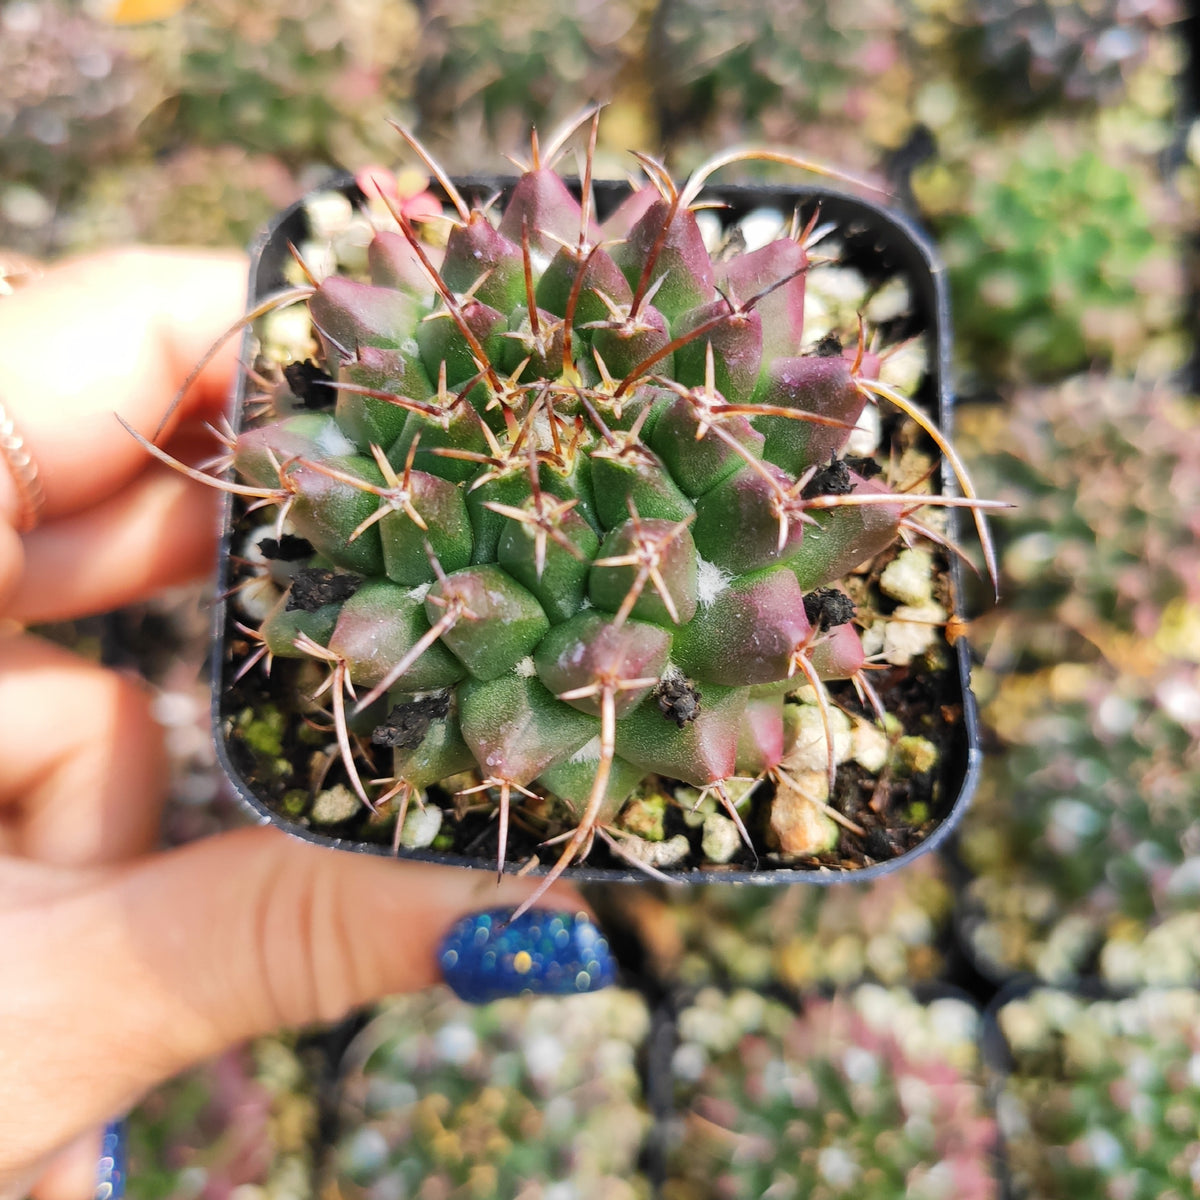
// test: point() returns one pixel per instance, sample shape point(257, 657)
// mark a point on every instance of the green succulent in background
point(1057, 256)
point(1104, 537)
point(308, 81)
point(870, 1095)
point(1021, 59)
point(1084, 838)
point(1103, 1096)
point(833, 79)
point(524, 1097)
point(489, 69)
point(890, 930)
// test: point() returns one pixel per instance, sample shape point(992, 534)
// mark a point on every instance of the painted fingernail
point(110, 1169)
point(488, 955)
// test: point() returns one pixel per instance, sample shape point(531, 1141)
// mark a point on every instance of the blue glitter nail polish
point(110, 1169)
point(487, 955)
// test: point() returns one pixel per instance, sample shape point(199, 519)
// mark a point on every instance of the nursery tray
point(877, 242)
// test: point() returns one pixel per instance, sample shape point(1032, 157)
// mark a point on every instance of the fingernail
point(110, 1169)
point(488, 955)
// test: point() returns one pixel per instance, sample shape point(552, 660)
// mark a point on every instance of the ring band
point(30, 497)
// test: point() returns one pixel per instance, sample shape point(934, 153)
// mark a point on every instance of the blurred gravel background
point(809, 1042)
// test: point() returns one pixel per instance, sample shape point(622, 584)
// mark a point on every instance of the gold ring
point(24, 471)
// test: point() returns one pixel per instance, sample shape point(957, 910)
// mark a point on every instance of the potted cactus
point(587, 536)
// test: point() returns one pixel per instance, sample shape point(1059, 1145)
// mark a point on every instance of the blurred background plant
point(72, 95)
point(531, 1096)
point(243, 1121)
point(1100, 1097)
point(1026, 59)
point(837, 80)
point(1055, 257)
point(488, 68)
point(792, 940)
point(310, 81)
point(872, 1094)
point(1050, 148)
point(1084, 842)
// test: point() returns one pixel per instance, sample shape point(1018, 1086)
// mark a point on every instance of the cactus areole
point(560, 532)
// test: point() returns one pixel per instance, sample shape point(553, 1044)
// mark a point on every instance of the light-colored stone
point(720, 839)
point(797, 825)
point(422, 823)
point(910, 631)
point(335, 804)
point(909, 577)
point(914, 755)
point(643, 815)
point(809, 750)
point(864, 437)
point(869, 745)
point(328, 213)
point(658, 854)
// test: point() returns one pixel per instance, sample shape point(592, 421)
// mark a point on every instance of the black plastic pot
point(881, 245)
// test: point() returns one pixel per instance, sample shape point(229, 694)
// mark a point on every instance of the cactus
point(563, 507)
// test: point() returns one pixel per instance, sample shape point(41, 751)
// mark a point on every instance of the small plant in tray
point(868, 1093)
point(1100, 1096)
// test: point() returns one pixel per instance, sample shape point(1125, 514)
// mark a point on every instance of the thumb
point(165, 962)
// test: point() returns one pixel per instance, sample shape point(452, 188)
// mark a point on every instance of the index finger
point(116, 332)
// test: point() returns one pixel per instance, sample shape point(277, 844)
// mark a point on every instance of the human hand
point(123, 966)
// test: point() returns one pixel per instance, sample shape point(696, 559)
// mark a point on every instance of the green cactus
point(563, 523)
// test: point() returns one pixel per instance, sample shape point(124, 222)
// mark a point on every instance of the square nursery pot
point(902, 783)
